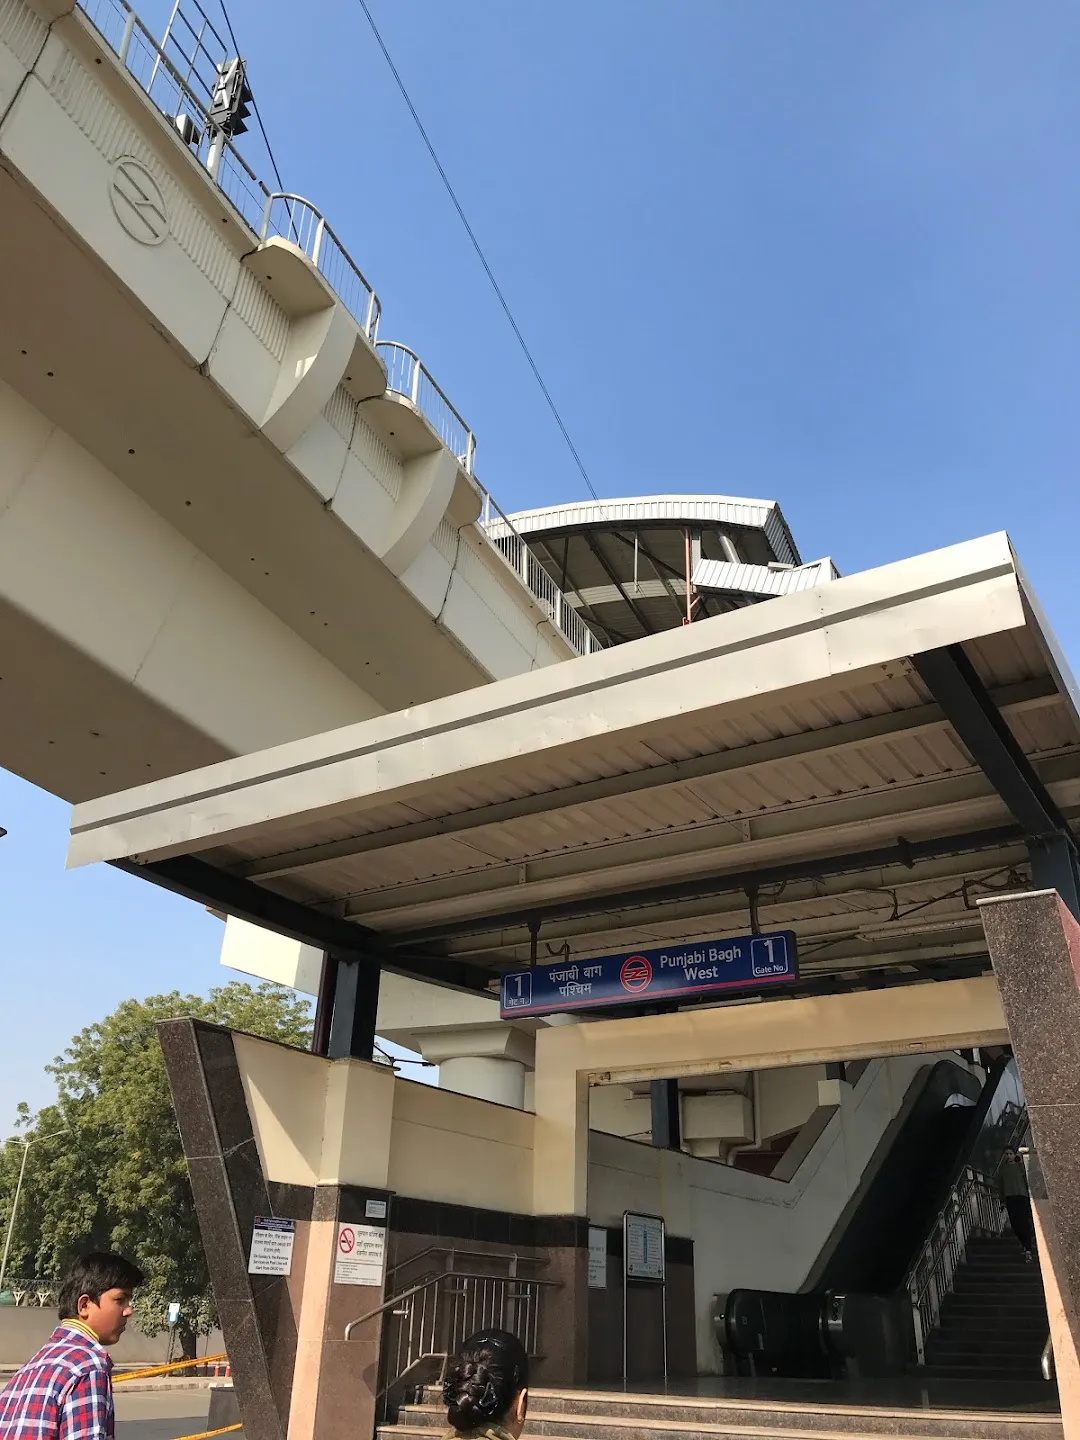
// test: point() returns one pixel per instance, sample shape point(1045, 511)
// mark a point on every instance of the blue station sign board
point(668, 973)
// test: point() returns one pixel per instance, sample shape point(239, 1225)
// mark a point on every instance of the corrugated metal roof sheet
point(798, 730)
point(760, 579)
point(763, 515)
point(677, 509)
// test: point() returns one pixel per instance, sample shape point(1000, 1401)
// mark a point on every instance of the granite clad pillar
point(329, 1122)
point(1034, 944)
point(256, 1312)
point(1066, 1363)
point(336, 1381)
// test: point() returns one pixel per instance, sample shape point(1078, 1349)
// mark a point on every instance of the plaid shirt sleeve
point(86, 1411)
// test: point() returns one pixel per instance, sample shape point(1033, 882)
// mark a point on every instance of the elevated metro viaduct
point(231, 513)
point(910, 732)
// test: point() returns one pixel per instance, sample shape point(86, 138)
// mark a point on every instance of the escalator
point(878, 1237)
point(854, 1296)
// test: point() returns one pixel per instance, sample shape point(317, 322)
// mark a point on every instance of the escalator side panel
point(907, 1185)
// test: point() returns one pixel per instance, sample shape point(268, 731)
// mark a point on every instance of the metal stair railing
point(1046, 1359)
point(971, 1209)
point(427, 1322)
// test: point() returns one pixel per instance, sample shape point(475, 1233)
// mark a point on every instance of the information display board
point(272, 1241)
point(747, 963)
point(644, 1243)
point(644, 1249)
point(597, 1258)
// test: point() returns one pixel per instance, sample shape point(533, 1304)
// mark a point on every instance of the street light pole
point(18, 1191)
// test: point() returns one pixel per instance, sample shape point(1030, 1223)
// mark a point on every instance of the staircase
point(615, 1415)
point(994, 1323)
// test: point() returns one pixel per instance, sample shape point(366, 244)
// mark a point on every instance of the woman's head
point(487, 1383)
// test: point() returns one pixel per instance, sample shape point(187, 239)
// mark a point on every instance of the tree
point(118, 1179)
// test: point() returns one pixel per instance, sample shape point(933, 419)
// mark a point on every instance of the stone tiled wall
point(1034, 943)
point(257, 1313)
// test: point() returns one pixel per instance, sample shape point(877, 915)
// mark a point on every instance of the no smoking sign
point(360, 1256)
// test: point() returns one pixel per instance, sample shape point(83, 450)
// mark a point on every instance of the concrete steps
point(615, 1415)
point(994, 1324)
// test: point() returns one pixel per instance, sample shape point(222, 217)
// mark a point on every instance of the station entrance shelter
point(888, 766)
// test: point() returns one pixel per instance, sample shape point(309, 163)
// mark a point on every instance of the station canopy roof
point(868, 758)
point(626, 565)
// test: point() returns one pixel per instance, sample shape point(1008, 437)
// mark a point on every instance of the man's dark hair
point(93, 1275)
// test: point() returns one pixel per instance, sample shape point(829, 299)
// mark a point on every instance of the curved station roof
point(865, 758)
point(634, 567)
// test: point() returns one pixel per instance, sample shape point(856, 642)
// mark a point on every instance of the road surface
point(163, 1415)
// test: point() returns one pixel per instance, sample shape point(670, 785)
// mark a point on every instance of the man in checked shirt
point(65, 1391)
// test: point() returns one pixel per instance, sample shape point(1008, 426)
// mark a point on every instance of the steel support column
point(666, 1120)
point(356, 1003)
point(602, 561)
point(954, 683)
point(1054, 867)
point(324, 1005)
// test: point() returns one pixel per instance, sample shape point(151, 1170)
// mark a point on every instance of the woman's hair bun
point(484, 1379)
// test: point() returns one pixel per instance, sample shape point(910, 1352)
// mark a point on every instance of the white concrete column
point(487, 1061)
point(487, 1077)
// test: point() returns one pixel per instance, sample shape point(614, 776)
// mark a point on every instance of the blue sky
point(821, 251)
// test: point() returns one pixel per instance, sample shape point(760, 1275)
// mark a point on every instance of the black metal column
point(324, 1005)
point(954, 683)
point(352, 1033)
point(666, 1121)
point(1054, 867)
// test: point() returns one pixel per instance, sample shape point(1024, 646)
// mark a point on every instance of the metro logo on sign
point(744, 963)
point(636, 974)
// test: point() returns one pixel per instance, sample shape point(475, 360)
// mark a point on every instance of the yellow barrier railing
point(205, 1434)
point(165, 1369)
point(153, 1370)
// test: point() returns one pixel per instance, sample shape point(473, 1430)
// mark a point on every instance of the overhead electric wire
point(479, 251)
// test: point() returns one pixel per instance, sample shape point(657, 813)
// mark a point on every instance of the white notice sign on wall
point(597, 1258)
point(644, 1237)
point(360, 1256)
point(271, 1246)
